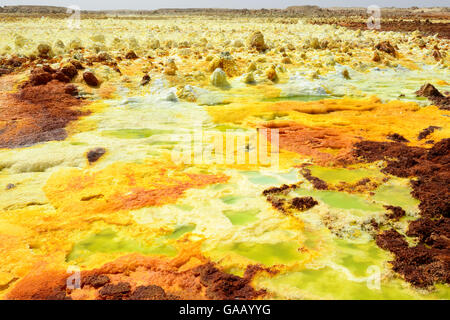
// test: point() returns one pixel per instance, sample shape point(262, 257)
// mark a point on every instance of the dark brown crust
point(37, 113)
point(427, 131)
point(278, 204)
point(420, 265)
point(131, 55)
point(95, 280)
point(387, 47)
point(90, 79)
point(431, 232)
point(284, 189)
point(224, 286)
point(428, 262)
point(430, 166)
point(95, 154)
point(115, 291)
point(145, 80)
point(433, 94)
point(274, 196)
point(316, 182)
point(396, 213)
point(397, 137)
point(151, 292)
point(303, 203)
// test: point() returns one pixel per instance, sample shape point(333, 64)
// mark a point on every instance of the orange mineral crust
point(37, 114)
point(324, 145)
point(137, 277)
point(123, 186)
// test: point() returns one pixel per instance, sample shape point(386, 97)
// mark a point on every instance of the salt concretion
point(154, 44)
point(90, 79)
point(345, 74)
point(131, 55)
point(256, 41)
point(248, 78)
point(433, 94)
point(219, 78)
point(145, 80)
point(225, 62)
point(387, 47)
point(44, 49)
point(238, 43)
point(170, 68)
point(271, 74)
point(252, 67)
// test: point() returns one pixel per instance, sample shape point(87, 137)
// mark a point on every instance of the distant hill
point(292, 11)
point(308, 8)
point(32, 9)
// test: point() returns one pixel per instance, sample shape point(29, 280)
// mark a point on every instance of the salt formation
point(219, 78)
point(256, 41)
point(90, 79)
point(251, 67)
point(44, 49)
point(170, 68)
point(248, 78)
point(225, 62)
point(271, 74)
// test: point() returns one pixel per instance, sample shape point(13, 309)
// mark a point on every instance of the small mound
point(433, 94)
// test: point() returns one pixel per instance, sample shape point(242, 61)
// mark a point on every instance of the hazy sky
point(155, 4)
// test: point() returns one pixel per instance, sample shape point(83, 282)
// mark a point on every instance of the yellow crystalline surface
point(369, 118)
point(122, 186)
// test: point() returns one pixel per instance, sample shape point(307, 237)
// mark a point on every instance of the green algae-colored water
point(260, 178)
point(331, 283)
point(396, 195)
point(231, 199)
point(181, 230)
point(134, 133)
point(336, 175)
point(396, 192)
point(341, 200)
point(346, 273)
point(328, 283)
point(268, 254)
point(355, 271)
point(358, 257)
point(243, 217)
point(108, 241)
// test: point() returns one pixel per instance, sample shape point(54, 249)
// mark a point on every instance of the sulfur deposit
point(249, 156)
